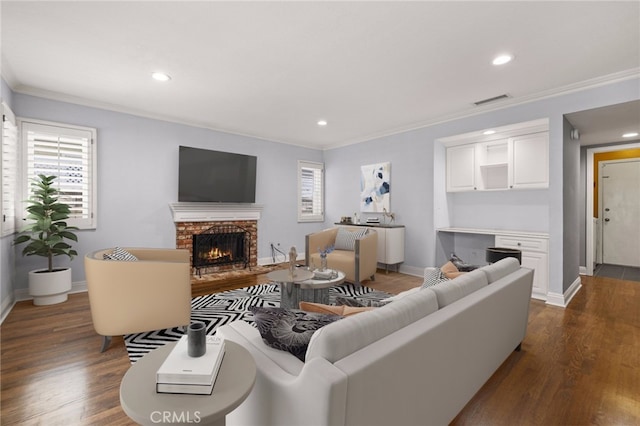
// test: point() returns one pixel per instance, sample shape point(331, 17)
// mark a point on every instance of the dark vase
point(196, 339)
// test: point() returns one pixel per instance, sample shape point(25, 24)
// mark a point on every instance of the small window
point(67, 152)
point(310, 192)
point(9, 161)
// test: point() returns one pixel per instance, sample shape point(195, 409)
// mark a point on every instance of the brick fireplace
point(228, 220)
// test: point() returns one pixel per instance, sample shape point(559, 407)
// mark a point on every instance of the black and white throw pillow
point(459, 263)
point(356, 302)
point(289, 329)
point(120, 254)
point(433, 276)
point(346, 238)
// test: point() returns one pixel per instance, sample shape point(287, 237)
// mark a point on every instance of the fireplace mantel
point(211, 212)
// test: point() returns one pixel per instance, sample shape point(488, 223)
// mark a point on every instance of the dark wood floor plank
point(579, 365)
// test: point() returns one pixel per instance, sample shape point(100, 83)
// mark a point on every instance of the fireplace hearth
point(221, 245)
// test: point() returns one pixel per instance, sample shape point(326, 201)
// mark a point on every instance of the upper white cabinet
point(514, 159)
point(530, 161)
point(461, 165)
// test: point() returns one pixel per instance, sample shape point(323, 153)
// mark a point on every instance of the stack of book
point(180, 373)
point(327, 274)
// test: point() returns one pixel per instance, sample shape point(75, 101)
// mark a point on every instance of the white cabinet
point(533, 245)
point(519, 162)
point(461, 168)
point(535, 255)
point(390, 244)
point(530, 161)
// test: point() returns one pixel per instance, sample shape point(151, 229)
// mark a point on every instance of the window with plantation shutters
point(9, 161)
point(310, 192)
point(67, 152)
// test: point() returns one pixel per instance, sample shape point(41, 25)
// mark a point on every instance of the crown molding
point(605, 80)
point(508, 103)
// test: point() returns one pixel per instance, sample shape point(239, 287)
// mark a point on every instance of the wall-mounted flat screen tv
point(215, 176)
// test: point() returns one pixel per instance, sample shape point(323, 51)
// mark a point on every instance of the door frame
point(601, 195)
point(589, 196)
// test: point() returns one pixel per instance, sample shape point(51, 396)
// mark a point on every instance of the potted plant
point(46, 237)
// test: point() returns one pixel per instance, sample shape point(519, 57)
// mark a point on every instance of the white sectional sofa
point(415, 361)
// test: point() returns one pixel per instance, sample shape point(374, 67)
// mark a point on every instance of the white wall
point(138, 178)
point(572, 207)
point(411, 157)
point(6, 248)
point(417, 177)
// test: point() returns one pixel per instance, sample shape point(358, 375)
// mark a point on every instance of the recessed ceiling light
point(488, 132)
point(502, 59)
point(630, 135)
point(160, 76)
point(322, 122)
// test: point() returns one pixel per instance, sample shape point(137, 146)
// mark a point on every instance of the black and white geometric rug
point(222, 308)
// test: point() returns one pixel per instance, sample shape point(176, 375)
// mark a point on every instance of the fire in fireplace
point(216, 255)
point(221, 245)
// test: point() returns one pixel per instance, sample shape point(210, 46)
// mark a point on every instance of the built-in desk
point(470, 243)
point(390, 242)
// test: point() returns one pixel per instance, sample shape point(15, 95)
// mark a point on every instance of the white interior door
point(621, 212)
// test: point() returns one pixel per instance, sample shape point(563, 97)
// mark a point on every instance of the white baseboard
point(6, 306)
point(79, 287)
point(409, 270)
point(562, 300)
point(269, 260)
point(265, 261)
point(582, 270)
point(412, 270)
point(23, 294)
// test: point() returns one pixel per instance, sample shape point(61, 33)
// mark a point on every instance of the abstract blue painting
point(375, 187)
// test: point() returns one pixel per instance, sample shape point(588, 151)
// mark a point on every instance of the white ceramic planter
point(48, 288)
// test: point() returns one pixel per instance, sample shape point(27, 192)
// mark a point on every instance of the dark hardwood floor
point(578, 366)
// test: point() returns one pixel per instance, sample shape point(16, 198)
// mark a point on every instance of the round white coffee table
point(307, 290)
point(144, 405)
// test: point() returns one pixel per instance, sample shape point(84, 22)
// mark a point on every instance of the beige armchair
point(357, 264)
point(151, 293)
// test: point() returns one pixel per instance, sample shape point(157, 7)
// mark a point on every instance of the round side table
point(144, 405)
